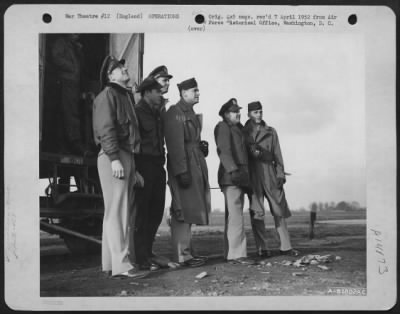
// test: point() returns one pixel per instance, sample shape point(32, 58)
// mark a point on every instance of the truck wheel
point(91, 227)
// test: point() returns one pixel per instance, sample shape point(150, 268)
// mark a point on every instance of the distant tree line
point(342, 205)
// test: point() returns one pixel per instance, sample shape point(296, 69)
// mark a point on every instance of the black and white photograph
point(180, 163)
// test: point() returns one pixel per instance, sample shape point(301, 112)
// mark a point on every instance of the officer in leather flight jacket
point(115, 127)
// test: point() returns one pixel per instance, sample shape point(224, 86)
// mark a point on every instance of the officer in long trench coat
point(187, 173)
point(267, 178)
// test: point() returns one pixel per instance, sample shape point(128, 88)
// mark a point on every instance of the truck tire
point(91, 227)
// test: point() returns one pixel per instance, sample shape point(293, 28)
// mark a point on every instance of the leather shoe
point(291, 252)
point(201, 258)
point(264, 254)
point(148, 266)
point(193, 263)
point(133, 273)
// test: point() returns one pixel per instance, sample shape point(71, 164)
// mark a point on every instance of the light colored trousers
point(181, 238)
point(260, 233)
point(118, 205)
point(234, 236)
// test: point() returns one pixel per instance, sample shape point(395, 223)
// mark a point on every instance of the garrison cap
point(188, 84)
point(109, 64)
point(255, 105)
point(160, 71)
point(230, 106)
point(148, 83)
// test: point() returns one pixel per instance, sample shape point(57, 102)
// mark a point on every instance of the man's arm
point(224, 149)
point(174, 139)
point(104, 118)
point(280, 172)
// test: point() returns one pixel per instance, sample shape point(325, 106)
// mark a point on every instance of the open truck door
point(72, 205)
point(129, 47)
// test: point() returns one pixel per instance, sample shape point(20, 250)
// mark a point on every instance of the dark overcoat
point(232, 152)
point(264, 175)
point(182, 129)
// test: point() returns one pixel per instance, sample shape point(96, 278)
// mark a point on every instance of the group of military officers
point(131, 170)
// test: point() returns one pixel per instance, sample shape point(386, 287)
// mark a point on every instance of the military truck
point(71, 204)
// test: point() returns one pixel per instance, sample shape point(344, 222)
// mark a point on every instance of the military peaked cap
point(109, 64)
point(255, 105)
point(148, 83)
point(230, 106)
point(160, 71)
point(188, 84)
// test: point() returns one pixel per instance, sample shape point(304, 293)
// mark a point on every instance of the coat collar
point(144, 105)
point(251, 125)
point(264, 131)
point(118, 87)
point(184, 106)
point(239, 125)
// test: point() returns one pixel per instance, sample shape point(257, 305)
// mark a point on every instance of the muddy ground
point(63, 274)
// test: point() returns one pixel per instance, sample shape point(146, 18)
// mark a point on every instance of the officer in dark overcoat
point(187, 172)
point(233, 178)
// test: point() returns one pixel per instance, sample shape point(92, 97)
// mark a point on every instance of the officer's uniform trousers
point(150, 202)
point(119, 208)
point(234, 236)
point(260, 232)
point(181, 239)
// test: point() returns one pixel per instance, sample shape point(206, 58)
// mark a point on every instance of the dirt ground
point(63, 274)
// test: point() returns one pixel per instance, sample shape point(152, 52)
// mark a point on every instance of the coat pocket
point(123, 124)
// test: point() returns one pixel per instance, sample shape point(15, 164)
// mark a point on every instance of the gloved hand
point(204, 148)
point(280, 182)
point(184, 179)
point(254, 150)
point(266, 155)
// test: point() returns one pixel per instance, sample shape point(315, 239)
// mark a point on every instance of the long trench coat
point(264, 175)
point(182, 129)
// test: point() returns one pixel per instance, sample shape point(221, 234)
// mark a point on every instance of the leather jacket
point(115, 125)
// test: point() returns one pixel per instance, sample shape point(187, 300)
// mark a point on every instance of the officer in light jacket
point(267, 177)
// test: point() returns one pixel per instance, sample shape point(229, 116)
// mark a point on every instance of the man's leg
point(282, 229)
point(235, 237)
point(181, 240)
point(259, 232)
point(156, 209)
point(116, 214)
point(139, 238)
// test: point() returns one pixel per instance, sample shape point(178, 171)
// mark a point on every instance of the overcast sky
point(312, 90)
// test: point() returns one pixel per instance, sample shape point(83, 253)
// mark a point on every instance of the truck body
point(72, 205)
